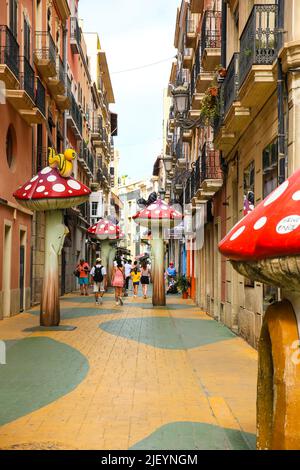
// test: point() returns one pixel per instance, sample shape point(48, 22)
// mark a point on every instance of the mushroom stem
point(158, 272)
point(105, 249)
point(54, 240)
point(111, 257)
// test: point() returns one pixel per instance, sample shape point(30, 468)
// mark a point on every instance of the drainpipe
point(282, 154)
point(65, 61)
point(224, 34)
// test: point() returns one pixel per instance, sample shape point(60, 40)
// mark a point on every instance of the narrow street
point(129, 377)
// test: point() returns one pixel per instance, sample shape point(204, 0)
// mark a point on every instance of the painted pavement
point(129, 377)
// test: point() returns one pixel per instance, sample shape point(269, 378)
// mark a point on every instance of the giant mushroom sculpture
point(107, 232)
point(157, 217)
point(50, 192)
point(265, 247)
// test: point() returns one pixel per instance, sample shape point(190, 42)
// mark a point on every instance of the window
point(270, 168)
point(10, 144)
point(26, 40)
point(13, 17)
point(94, 209)
point(249, 186)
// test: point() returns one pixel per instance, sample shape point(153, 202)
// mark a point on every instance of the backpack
point(98, 276)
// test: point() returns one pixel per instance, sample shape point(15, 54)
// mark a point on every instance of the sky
point(134, 33)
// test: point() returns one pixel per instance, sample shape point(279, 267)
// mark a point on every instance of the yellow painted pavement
point(132, 389)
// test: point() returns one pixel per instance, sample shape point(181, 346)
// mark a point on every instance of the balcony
point(211, 40)
point(23, 98)
point(191, 33)
point(86, 159)
point(75, 35)
point(57, 84)
point(200, 79)
point(45, 54)
point(208, 175)
point(188, 57)
point(97, 132)
point(9, 58)
point(74, 118)
point(197, 6)
point(258, 51)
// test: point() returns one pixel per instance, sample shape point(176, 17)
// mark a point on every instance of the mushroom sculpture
point(157, 217)
point(265, 247)
point(49, 191)
point(108, 232)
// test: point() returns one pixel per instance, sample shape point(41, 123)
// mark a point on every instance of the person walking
point(99, 277)
point(83, 269)
point(145, 278)
point(127, 268)
point(136, 277)
point(118, 280)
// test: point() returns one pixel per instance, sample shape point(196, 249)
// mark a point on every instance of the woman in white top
point(145, 278)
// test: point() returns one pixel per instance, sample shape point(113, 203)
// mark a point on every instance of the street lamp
point(181, 105)
point(168, 161)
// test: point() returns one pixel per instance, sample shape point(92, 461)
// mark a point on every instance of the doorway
point(7, 246)
point(23, 240)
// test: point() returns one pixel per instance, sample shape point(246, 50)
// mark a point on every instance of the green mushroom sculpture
point(157, 217)
point(52, 192)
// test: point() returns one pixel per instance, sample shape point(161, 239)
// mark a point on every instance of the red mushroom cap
point(105, 229)
point(49, 190)
point(158, 213)
point(271, 230)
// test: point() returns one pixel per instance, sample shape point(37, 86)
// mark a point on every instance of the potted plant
point(183, 285)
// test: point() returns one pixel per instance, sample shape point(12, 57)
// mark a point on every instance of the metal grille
point(9, 50)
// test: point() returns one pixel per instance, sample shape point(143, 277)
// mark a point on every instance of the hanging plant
point(210, 105)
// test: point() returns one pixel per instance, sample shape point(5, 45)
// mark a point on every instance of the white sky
point(134, 33)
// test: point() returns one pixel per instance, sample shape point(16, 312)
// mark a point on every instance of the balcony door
point(13, 17)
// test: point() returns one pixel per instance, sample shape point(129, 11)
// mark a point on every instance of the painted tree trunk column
point(54, 240)
point(158, 272)
point(105, 249)
point(278, 393)
point(111, 258)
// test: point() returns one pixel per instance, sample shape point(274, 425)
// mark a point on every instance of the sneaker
point(117, 304)
point(100, 301)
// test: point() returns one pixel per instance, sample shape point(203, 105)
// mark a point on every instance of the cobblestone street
point(129, 377)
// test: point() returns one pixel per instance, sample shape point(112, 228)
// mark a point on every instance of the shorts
point(99, 287)
point(145, 280)
point(83, 281)
point(136, 283)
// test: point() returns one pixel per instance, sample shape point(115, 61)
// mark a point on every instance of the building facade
point(243, 92)
point(50, 97)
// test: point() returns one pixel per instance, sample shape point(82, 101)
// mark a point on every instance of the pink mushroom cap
point(105, 229)
point(159, 213)
point(48, 190)
point(271, 230)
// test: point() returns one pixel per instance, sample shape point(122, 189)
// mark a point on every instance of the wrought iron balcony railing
point(191, 25)
point(230, 86)
point(76, 114)
point(258, 43)
point(27, 77)
point(75, 32)
point(208, 165)
point(40, 97)
point(61, 70)
point(45, 46)
point(211, 30)
point(9, 50)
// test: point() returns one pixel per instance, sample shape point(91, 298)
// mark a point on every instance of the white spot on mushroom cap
point(41, 181)
point(51, 178)
point(276, 194)
point(25, 194)
point(238, 233)
point(34, 179)
point(46, 170)
point(59, 188)
point(28, 187)
point(40, 189)
point(296, 196)
point(260, 223)
point(288, 224)
point(46, 194)
point(73, 184)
